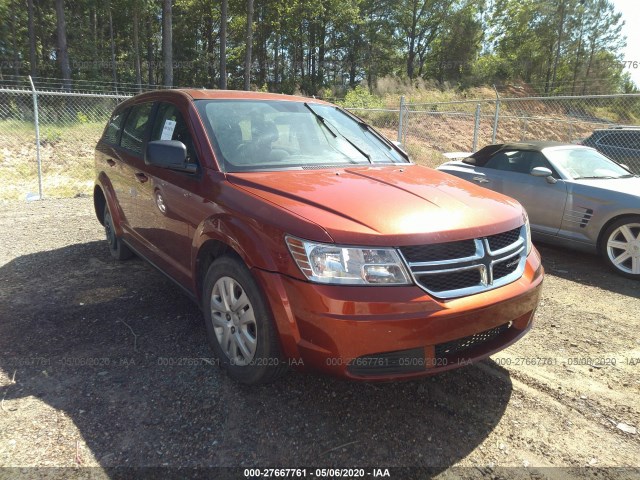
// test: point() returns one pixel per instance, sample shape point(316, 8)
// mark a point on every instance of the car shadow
point(586, 269)
point(122, 352)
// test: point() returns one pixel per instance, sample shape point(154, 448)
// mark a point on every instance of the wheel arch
point(257, 248)
point(103, 195)
point(608, 223)
point(208, 252)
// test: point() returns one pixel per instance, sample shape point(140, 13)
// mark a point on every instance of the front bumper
point(385, 333)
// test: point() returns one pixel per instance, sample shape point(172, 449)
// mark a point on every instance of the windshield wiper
point(324, 122)
point(390, 146)
point(365, 126)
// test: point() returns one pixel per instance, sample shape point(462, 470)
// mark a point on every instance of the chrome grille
point(456, 269)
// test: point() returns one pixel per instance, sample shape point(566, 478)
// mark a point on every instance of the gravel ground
point(105, 364)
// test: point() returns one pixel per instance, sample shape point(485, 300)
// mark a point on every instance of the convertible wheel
point(118, 250)
point(622, 246)
point(239, 325)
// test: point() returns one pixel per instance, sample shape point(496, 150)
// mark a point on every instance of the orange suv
point(309, 240)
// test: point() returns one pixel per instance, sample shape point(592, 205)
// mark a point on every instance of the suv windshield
point(251, 135)
point(584, 163)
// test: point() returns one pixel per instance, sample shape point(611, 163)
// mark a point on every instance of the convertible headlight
point(327, 263)
point(528, 230)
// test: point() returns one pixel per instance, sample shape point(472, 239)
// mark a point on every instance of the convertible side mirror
point(170, 154)
point(543, 172)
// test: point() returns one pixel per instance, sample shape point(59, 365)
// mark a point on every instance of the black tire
point(621, 246)
point(242, 335)
point(117, 248)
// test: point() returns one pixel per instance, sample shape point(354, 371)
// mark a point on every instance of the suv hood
point(391, 205)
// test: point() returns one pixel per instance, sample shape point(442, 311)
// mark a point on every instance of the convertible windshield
point(251, 135)
point(584, 163)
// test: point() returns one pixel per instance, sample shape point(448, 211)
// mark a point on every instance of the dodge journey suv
point(309, 240)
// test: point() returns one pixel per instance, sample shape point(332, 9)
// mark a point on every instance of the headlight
point(528, 229)
point(327, 263)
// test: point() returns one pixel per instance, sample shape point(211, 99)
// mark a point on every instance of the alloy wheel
point(623, 248)
point(234, 321)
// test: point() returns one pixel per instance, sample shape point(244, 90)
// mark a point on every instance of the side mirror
point(171, 154)
point(543, 172)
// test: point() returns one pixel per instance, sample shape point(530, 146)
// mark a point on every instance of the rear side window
point(135, 128)
point(114, 127)
point(510, 161)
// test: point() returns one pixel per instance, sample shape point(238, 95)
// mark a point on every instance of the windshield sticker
point(167, 130)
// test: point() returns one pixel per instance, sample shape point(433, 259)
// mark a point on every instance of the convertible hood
point(390, 205)
point(629, 186)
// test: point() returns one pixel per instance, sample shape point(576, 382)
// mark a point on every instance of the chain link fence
point(60, 162)
point(68, 126)
point(602, 122)
point(18, 165)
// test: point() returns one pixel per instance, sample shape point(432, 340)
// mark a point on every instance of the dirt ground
point(105, 364)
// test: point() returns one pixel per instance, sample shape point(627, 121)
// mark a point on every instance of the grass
point(66, 153)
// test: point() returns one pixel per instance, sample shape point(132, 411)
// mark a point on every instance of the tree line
point(316, 48)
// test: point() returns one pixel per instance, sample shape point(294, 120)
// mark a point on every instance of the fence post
point(400, 120)
point(571, 132)
point(476, 128)
point(496, 116)
point(37, 124)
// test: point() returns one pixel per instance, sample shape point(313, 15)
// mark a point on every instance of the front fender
point(263, 250)
point(259, 246)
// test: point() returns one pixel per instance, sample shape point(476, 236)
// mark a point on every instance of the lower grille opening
point(461, 345)
point(389, 363)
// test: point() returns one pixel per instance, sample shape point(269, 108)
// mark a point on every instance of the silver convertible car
point(574, 196)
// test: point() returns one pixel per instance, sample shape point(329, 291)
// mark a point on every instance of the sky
point(630, 10)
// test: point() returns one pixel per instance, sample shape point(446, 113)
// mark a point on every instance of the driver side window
point(170, 125)
point(517, 161)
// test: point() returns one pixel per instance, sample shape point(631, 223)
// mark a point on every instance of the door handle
point(112, 163)
point(141, 177)
point(480, 180)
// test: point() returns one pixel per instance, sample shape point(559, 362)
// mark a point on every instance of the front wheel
point(621, 246)
point(240, 327)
